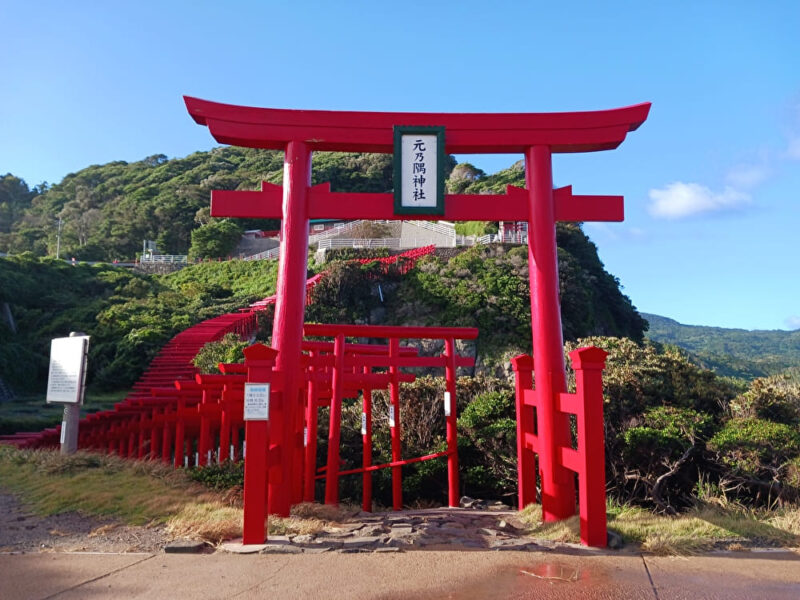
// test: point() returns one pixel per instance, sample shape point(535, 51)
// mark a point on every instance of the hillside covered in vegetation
point(129, 316)
point(676, 433)
point(732, 352)
point(108, 210)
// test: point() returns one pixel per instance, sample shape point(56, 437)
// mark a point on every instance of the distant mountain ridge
point(732, 352)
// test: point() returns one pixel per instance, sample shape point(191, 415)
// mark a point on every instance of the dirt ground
point(23, 531)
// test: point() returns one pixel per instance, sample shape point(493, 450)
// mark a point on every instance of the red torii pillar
point(536, 135)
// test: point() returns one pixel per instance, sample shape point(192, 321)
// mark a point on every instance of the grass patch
point(568, 530)
point(143, 493)
point(135, 492)
point(704, 527)
point(310, 518)
point(477, 228)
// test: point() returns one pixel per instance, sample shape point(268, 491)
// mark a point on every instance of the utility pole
point(58, 240)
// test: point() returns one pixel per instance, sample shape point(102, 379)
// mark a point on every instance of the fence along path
point(157, 393)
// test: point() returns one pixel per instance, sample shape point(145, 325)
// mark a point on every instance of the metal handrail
point(360, 243)
point(164, 258)
point(267, 254)
point(337, 230)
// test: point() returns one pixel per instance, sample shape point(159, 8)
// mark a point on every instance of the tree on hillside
point(15, 197)
point(462, 176)
point(80, 215)
point(216, 239)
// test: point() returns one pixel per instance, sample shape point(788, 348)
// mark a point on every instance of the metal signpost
point(66, 384)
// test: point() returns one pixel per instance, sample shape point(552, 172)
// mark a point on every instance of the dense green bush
point(666, 433)
point(645, 375)
point(659, 410)
point(750, 446)
point(215, 239)
point(349, 293)
point(230, 349)
point(487, 448)
point(776, 398)
point(219, 476)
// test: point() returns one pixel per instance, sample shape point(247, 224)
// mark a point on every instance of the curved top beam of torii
point(467, 133)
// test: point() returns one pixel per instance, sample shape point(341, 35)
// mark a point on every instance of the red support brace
point(526, 459)
point(589, 364)
point(310, 434)
point(366, 446)
point(394, 424)
point(451, 418)
point(332, 479)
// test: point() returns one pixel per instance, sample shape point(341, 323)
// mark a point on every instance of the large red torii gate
point(536, 135)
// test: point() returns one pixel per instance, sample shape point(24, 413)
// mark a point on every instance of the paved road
point(431, 575)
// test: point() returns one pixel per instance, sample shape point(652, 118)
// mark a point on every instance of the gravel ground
point(23, 531)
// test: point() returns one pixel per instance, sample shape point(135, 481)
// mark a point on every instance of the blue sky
point(710, 181)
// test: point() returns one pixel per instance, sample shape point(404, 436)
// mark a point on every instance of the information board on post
point(256, 401)
point(67, 375)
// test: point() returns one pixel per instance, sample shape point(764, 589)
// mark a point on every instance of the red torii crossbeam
point(325, 204)
point(536, 135)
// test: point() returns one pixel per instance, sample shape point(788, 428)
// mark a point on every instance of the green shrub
point(487, 445)
point(752, 447)
point(666, 434)
point(215, 239)
point(348, 293)
point(230, 349)
point(221, 476)
point(775, 398)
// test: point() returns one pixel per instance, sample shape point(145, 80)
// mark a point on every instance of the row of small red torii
point(198, 420)
point(535, 135)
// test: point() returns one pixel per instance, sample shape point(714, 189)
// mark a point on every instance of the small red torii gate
point(536, 135)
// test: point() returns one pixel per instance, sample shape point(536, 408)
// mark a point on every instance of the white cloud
point(792, 322)
point(748, 176)
point(679, 200)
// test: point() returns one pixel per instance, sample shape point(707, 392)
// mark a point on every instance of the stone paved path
point(495, 528)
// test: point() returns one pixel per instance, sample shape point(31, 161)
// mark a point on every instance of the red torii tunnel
point(536, 135)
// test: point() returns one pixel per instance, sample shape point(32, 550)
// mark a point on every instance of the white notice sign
point(391, 415)
point(256, 401)
point(418, 170)
point(447, 404)
point(67, 369)
point(363, 423)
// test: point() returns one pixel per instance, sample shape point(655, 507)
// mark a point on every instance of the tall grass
point(706, 526)
point(142, 493)
point(135, 492)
